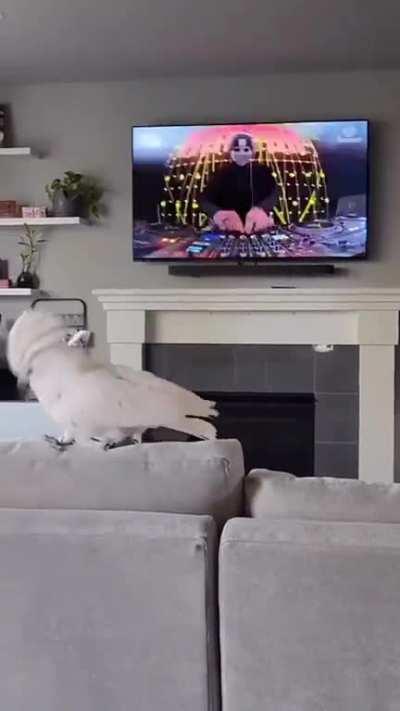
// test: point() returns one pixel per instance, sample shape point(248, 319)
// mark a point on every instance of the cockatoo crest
point(33, 331)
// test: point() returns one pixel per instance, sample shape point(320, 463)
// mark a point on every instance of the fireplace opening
point(8, 385)
point(276, 430)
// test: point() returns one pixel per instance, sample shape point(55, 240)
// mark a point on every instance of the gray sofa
point(109, 598)
point(108, 595)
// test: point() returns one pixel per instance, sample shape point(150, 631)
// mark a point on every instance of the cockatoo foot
point(59, 444)
point(122, 443)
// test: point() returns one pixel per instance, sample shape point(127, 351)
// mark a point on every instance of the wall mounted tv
point(251, 192)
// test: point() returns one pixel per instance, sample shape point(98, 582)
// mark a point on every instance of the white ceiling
point(79, 40)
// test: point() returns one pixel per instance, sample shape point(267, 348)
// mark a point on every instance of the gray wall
point(87, 127)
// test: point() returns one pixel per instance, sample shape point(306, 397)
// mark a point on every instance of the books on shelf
point(3, 269)
point(8, 208)
point(5, 282)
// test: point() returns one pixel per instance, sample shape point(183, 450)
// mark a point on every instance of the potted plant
point(30, 240)
point(75, 195)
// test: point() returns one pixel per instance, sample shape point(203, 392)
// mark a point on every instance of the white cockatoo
point(91, 401)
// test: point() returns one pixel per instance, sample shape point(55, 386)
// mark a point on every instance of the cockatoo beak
point(22, 385)
point(23, 377)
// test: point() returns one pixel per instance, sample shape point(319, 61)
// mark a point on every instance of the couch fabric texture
point(282, 495)
point(173, 477)
point(109, 596)
point(309, 616)
point(107, 611)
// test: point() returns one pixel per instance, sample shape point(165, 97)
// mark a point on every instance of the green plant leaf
point(76, 185)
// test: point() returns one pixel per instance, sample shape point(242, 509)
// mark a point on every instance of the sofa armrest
point(105, 610)
point(310, 615)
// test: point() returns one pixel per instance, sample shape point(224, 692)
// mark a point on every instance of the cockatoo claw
point(58, 444)
point(122, 443)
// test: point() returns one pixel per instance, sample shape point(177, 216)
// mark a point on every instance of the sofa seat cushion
point(107, 611)
point(171, 477)
point(309, 615)
point(282, 495)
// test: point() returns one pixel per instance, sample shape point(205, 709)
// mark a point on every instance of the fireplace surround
point(367, 318)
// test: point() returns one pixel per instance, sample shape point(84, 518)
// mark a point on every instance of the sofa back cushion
point(171, 477)
point(282, 495)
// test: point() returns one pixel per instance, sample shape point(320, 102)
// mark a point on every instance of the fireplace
point(276, 431)
point(355, 430)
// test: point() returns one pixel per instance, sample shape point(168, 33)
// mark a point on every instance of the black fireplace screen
point(276, 430)
point(8, 385)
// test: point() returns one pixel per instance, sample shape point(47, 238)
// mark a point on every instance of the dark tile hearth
point(290, 369)
point(336, 417)
point(337, 371)
point(337, 459)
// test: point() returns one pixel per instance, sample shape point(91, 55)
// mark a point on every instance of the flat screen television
point(251, 192)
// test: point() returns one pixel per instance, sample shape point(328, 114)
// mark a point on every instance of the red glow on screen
point(216, 139)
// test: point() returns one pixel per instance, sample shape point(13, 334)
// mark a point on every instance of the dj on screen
point(240, 195)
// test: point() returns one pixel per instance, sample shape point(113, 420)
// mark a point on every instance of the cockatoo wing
point(197, 405)
point(98, 401)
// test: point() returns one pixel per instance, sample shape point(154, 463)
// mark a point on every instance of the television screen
point(258, 191)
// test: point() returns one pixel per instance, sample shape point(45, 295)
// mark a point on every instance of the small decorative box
point(33, 212)
point(27, 212)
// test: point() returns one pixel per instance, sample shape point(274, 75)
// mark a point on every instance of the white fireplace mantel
point(364, 317)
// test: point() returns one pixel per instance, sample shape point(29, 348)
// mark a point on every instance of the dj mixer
point(343, 236)
point(338, 237)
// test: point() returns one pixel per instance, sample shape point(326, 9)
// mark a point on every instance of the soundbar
point(251, 269)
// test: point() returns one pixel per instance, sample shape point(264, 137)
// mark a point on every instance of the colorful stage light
point(293, 159)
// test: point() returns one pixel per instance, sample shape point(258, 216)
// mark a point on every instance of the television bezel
point(269, 260)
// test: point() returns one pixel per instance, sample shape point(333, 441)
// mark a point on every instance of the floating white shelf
point(39, 221)
point(17, 292)
point(23, 151)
